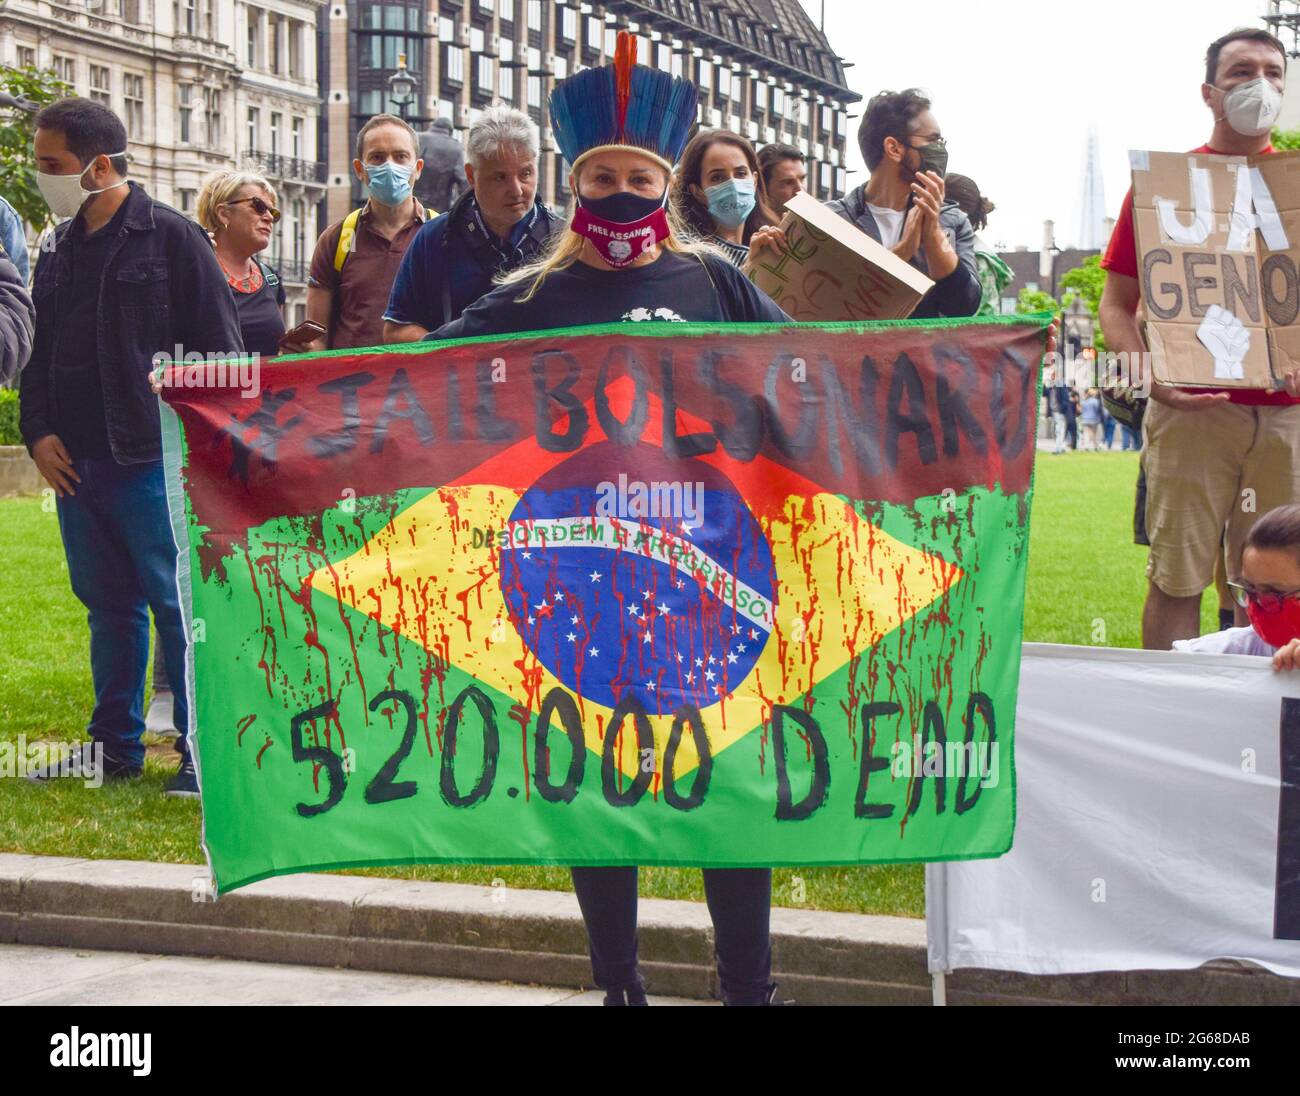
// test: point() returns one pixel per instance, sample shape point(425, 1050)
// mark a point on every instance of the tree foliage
point(1286, 139)
point(17, 159)
point(1035, 300)
point(1086, 282)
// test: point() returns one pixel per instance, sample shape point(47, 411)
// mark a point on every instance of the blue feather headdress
point(623, 105)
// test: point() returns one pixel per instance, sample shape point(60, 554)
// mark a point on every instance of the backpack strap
point(347, 234)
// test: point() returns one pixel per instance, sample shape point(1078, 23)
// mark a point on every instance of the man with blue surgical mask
point(356, 258)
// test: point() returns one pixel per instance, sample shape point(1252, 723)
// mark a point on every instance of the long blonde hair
point(566, 245)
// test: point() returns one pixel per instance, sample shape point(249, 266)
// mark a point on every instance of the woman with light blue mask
point(720, 193)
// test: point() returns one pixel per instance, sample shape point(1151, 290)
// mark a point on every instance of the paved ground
point(67, 976)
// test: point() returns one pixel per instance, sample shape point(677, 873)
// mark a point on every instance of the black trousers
point(740, 903)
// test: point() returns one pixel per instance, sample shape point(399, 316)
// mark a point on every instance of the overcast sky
point(1017, 86)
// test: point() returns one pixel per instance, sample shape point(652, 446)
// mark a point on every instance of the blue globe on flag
point(655, 580)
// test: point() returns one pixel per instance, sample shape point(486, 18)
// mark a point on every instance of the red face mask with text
point(621, 227)
point(1276, 627)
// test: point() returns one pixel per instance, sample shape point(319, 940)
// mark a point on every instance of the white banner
point(1154, 827)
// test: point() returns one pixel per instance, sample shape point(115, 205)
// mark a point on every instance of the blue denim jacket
point(13, 239)
point(162, 287)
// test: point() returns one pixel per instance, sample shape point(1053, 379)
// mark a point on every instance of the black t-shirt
point(261, 322)
point(78, 390)
point(675, 287)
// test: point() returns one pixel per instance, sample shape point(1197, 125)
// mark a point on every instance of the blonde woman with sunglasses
point(238, 209)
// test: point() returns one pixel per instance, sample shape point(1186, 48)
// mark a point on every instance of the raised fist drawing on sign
point(1228, 339)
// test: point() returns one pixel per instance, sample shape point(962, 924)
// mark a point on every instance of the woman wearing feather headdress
point(624, 256)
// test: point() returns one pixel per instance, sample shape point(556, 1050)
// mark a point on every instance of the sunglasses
point(259, 207)
point(1271, 601)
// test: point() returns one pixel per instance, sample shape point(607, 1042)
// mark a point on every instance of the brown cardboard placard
point(1218, 240)
point(832, 270)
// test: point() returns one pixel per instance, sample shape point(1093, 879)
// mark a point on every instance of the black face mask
point(623, 208)
point(934, 157)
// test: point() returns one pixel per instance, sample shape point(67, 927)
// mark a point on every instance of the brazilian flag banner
point(642, 593)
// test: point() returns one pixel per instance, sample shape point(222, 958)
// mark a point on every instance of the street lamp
point(401, 87)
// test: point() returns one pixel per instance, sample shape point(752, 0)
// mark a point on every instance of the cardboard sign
point(832, 270)
point(1218, 238)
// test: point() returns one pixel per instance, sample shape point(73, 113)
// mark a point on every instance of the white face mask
point(1251, 109)
point(64, 194)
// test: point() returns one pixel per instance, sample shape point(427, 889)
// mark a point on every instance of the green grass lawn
point(1086, 586)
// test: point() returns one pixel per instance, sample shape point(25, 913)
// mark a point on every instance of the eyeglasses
point(259, 207)
point(942, 142)
point(1271, 601)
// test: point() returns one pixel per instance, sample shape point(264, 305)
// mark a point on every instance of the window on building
point(212, 116)
point(476, 40)
point(183, 94)
point(535, 15)
point(26, 57)
point(827, 120)
point(484, 75)
point(274, 32)
point(486, 7)
point(206, 26)
point(295, 49)
point(101, 88)
point(65, 68)
point(297, 221)
point(595, 32)
point(296, 149)
point(133, 104)
point(254, 124)
point(372, 102)
point(254, 38)
point(561, 68)
point(611, 41)
point(664, 58)
point(677, 63)
point(535, 91)
point(188, 199)
point(277, 124)
point(453, 64)
point(186, 16)
point(132, 11)
point(706, 75)
point(569, 25)
point(506, 84)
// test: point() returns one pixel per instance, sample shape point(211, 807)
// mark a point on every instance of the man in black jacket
point(16, 320)
point(126, 279)
point(903, 205)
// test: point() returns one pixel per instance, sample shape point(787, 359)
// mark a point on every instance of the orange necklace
point(249, 284)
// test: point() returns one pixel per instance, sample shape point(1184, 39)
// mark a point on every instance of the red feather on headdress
point(624, 60)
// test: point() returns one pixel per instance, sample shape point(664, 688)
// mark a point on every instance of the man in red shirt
point(1215, 460)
